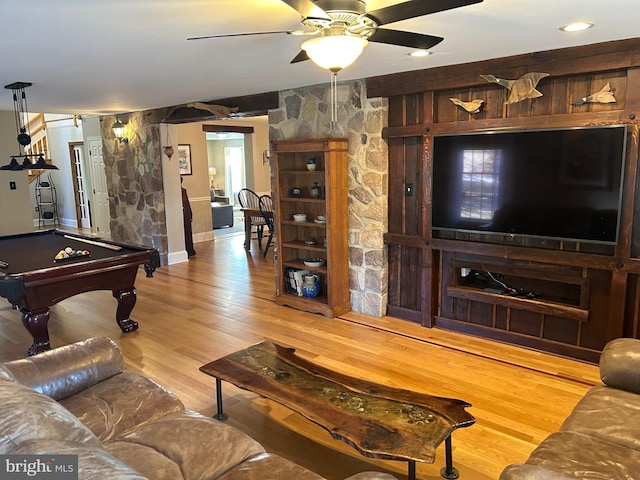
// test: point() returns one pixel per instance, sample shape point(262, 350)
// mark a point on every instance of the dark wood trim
point(405, 240)
point(513, 252)
point(419, 108)
point(233, 107)
point(505, 124)
point(405, 314)
point(227, 128)
point(252, 105)
point(607, 56)
point(586, 354)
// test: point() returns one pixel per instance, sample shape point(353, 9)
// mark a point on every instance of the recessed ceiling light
point(420, 53)
point(576, 26)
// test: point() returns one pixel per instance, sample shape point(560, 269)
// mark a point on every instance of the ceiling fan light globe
point(334, 52)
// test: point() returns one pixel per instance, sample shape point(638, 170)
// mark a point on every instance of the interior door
point(83, 216)
point(100, 195)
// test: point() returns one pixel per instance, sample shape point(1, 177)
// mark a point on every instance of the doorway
point(230, 156)
point(235, 178)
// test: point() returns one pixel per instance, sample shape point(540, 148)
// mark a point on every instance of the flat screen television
point(561, 183)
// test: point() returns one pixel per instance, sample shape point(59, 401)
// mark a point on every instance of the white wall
point(172, 197)
point(15, 207)
point(90, 129)
point(8, 143)
point(59, 134)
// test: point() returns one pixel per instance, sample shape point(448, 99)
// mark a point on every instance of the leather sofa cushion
point(5, 374)
point(70, 369)
point(184, 445)
point(94, 463)
point(524, 471)
point(607, 413)
point(27, 415)
point(582, 456)
point(620, 364)
point(267, 466)
point(371, 476)
point(120, 403)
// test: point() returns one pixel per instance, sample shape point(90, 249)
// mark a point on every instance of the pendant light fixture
point(21, 115)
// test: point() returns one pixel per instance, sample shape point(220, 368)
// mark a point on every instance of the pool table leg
point(126, 301)
point(36, 324)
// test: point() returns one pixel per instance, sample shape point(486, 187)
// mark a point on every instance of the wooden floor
point(223, 299)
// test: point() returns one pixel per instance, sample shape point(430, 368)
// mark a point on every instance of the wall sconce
point(118, 131)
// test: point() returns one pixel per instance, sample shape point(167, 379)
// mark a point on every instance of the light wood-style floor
point(223, 300)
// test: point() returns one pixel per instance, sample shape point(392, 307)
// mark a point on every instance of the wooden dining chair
point(250, 199)
point(266, 208)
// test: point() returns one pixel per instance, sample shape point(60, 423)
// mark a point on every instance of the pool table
point(33, 280)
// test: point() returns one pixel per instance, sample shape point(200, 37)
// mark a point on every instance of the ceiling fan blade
point(415, 8)
point(301, 57)
point(238, 35)
point(307, 9)
point(405, 39)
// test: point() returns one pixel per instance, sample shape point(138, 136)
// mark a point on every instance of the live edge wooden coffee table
point(378, 421)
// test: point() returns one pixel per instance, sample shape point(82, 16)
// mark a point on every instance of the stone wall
point(134, 182)
point(306, 113)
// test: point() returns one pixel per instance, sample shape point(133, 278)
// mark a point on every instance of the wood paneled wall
point(424, 280)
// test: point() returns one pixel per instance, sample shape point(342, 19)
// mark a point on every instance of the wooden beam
point(605, 56)
point(233, 107)
point(227, 128)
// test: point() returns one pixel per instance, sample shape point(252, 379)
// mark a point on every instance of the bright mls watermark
point(39, 467)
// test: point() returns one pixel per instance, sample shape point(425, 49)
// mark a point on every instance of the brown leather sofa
point(600, 439)
point(77, 400)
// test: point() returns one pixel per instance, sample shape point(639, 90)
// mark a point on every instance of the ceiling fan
point(342, 28)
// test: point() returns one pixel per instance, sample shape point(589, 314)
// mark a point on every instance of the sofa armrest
point(64, 371)
point(371, 476)
point(620, 364)
point(524, 471)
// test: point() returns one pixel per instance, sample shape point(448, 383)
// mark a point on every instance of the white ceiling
point(91, 56)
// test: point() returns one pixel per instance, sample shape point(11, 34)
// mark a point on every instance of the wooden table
point(377, 420)
point(248, 213)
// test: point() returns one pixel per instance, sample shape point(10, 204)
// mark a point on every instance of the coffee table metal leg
point(449, 471)
point(411, 474)
point(220, 415)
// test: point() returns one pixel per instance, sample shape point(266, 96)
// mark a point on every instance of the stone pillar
point(134, 182)
point(306, 113)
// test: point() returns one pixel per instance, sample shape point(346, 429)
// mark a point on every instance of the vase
point(315, 191)
point(310, 285)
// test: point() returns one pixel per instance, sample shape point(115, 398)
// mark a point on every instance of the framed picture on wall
point(184, 159)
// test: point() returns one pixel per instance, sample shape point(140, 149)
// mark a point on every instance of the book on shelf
point(289, 281)
point(294, 280)
point(298, 274)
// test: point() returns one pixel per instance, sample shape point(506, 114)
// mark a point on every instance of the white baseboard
point(203, 236)
point(177, 257)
